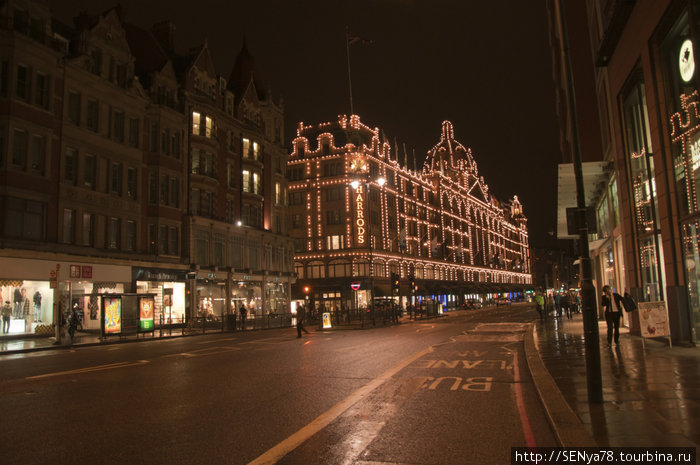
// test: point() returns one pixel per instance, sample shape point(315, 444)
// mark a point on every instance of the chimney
point(165, 33)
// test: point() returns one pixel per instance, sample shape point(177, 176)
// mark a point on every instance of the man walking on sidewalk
point(301, 313)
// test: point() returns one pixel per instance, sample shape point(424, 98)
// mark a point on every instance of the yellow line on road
point(110, 366)
point(276, 453)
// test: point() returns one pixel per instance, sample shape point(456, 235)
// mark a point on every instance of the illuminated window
point(256, 151)
point(246, 181)
point(196, 122)
point(278, 193)
point(256, 183)
point(209, 132)
point(335, 242)
point(245, 149)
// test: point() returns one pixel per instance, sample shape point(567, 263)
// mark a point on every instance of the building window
point(175, 192)
point(152, 239)
point(256, 184)
point(119, 126)
point(209, 130)
point(68, 226)
point(131, 183)
point(88, 230)
point(41, 91)
point(335, 242)
point(165, 142)
point(116, 179)
point(219, 250)
point(25, 218)
point(297, 221)
point(38, 154)
point(114, 233)
point(93, 115)
point(333, 217)
point(195, 169)
point(175, 144)
point(315, 270)
point(256, 151)
point(70, 173)
point(296, 198)
point(230, 176)
point(229, 211)
point(163, 240)
point(245, 147)
point(278, 193)
point(246, 181)
point(90, 172)
point(208, 164)
point(333, 193)
point(74, 107)
point(195, 201)
point(173, 241)
point(19, 149)
point(201, 247)
point(208, 207)
point(196, 123)
point(131, 236)
point(134, 132)
point(22, 83)
point(152, 188)
point(164, 190)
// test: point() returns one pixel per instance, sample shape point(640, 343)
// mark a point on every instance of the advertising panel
point(146, 305)
point(112, 315)
point(326, 320)
point(653, 319)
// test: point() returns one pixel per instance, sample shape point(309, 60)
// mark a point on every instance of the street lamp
point(356, 185)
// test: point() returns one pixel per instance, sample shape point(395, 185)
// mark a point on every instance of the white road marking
point(110, 366)
point(276, 453)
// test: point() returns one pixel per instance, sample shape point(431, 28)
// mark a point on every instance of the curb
point(568, 428)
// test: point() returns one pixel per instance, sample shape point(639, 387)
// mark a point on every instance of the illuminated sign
point(326, 320)
point(113, 315)
point(146, 305)
point(355, 286)
point(686, 61)
point(360, 214)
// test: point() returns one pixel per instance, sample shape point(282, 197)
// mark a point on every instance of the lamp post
point(356, 184)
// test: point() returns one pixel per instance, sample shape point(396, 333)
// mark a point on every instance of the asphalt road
point(455, 390)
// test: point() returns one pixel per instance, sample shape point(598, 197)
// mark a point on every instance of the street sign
point(355, 286)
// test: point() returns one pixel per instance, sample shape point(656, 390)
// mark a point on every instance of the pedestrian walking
point(6, 315)
point(613, 314)
point(539, 300)
point(73, 321)
point(244, 314)
point(301, 313)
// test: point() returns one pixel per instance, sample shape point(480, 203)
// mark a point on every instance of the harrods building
point(366, 226)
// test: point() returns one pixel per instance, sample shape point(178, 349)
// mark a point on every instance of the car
point(502, 301)
point(472, 304)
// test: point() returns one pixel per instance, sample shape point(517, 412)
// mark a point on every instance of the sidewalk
point(651, 396)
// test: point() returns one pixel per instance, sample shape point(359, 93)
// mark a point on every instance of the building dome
point(449, 156)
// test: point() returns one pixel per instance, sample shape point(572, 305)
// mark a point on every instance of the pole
point(588, 298)
point(371, 258)
point(347, 50)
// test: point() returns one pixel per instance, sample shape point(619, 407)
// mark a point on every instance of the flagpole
point(347, 49)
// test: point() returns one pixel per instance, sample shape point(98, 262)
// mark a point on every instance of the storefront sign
point(75, 271)
point(653, 319)
point(155, 274)
point(326, 320)
point(146, 305)
point(360, 214)
point(112, 315)
point(355, 286)
point(86, 271)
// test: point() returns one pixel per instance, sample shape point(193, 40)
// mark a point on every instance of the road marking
point(277, 452)
point(110, 366)
point(520, 401)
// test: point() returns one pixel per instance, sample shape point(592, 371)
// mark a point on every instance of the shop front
point(169, 290)
point(40, 290)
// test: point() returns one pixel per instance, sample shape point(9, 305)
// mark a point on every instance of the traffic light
point(412, 281)
point(307, 289)
point(395, 281)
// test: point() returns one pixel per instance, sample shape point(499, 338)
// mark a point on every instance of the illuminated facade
point(357, 215)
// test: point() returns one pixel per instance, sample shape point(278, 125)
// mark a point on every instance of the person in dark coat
point(301, 314)
point(244, 313)
point(613, 314)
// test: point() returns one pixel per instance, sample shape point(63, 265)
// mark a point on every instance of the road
point(455, 390)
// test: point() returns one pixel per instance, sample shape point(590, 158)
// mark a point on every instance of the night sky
point(485, 66)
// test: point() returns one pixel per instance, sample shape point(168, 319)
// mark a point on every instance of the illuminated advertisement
point(113, 315)
point(326, 320)
point(146, 305)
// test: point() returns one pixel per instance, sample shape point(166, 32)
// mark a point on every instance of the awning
point(595, 176)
